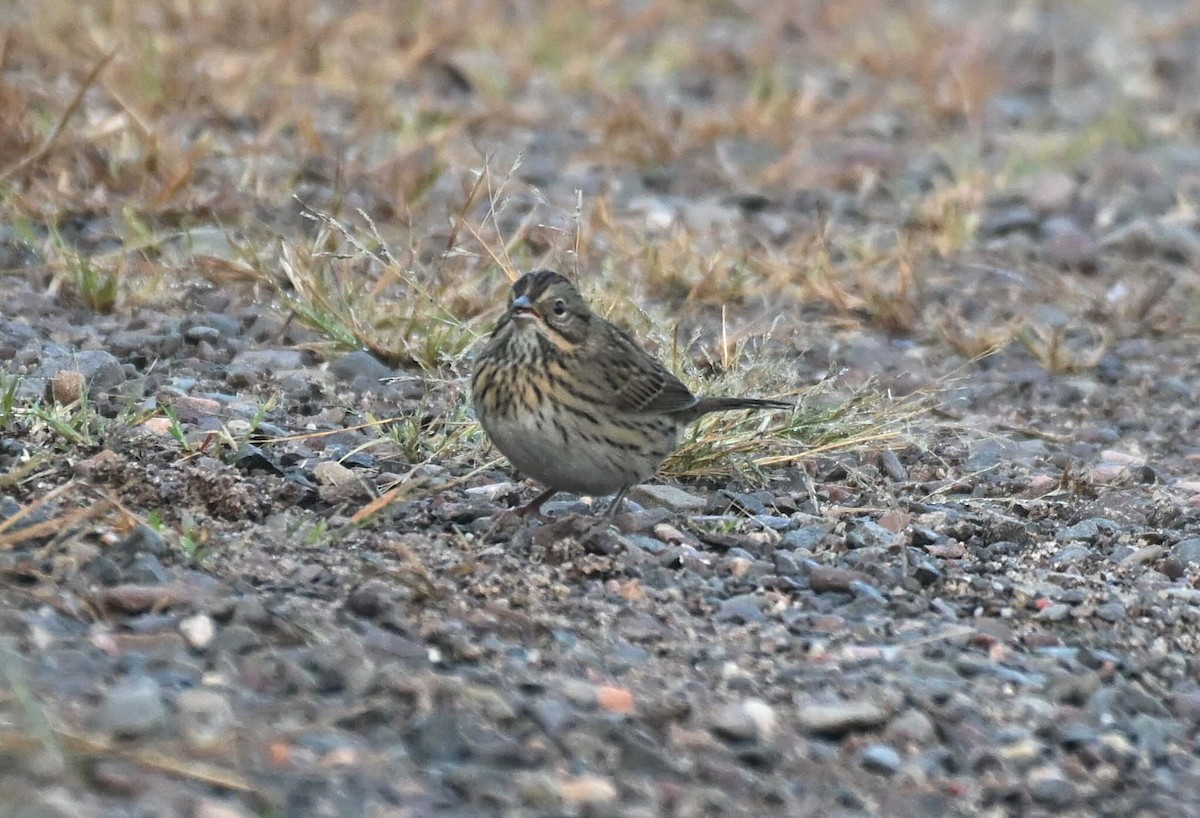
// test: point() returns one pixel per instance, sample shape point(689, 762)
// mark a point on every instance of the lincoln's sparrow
point(573, 401)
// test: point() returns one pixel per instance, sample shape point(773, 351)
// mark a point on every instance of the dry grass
point(378, 169)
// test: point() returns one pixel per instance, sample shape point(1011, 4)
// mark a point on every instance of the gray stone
point(911, 727)
point(744, 609)
point(1187, 551)
point(202, 333)
point(1070, 556)
point(1055, 613)
point(1089, 529)
point(880, 758)
point(840, 718)
point(666, 496)
point(360, 364)
point(870, 534)
point(807, 537)
point(100, 368)
point(1068, 245)
point(1050, 787)
point(133, 707)
point(205, 718)
point(271, 361)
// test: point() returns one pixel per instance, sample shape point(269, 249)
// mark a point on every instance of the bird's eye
point(560, 307)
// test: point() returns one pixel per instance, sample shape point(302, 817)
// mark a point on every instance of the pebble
point(752, 720)
point(807, 537)
point(670, 497)
point(822, 579)
point(840, 718)
point(870, 534)
point(1187, 551)
point(67, 386)
point(332, 473)
point(912, 726)
point(1089, 529)
point(206, 720)
point(101, 369)
point(892, 467)
point(270, 360)
point(880, 758)
point(588, 790)
point(236, 638)
point(1068, 245)
point(743, 609)
point(132, 707)
point(198, 631)
point(1070, 557)
point(1050, 787)
point(201, 333)
point(1051, 191)
point(360, 364)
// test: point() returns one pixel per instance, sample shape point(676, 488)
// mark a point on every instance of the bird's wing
point(640, 383)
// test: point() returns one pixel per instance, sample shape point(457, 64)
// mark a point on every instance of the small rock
point(1070, 556)
point(870, 534)
point(1069, 246)
point(236, 638)
point(1089, 529)
point(1050, 787)
point(925, 570)
point(1148, 553)
point(807, 537)
point(1111, 612)
point(1051, 191)
point(744, 609)
point(880, 758)
point(270, 361)
point(101, 369)
point(1021, 751)
point(67, 385)
point(911, 727)
point(822, 579)
point(752, 720)
point(892, 467)
point(1055, 613)
point(587, 790)
point(198, 631)
point(1187, 551)
point(840, 718)
point(670, 497)
point(133, 707)
point(332, 473)
point(1012, 219)
point(200, 333)
point(206, 720)
point(360, 364)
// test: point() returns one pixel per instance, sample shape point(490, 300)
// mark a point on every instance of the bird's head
point(545, 303)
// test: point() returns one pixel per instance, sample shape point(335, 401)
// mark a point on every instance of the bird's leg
point(617, 501)
point(530, 509)
point(534, 507)
point(606, 519)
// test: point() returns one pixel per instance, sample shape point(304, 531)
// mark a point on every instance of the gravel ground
point(998, 617)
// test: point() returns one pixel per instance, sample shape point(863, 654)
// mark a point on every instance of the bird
point(574, 402)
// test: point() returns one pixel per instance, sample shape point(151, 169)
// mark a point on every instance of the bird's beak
point(522, 307)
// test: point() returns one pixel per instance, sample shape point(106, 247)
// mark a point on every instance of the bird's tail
point(706, 405)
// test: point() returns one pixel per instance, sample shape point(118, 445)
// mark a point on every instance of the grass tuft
point(349, 286)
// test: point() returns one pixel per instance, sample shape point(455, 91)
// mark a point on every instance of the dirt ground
point(250, 562)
